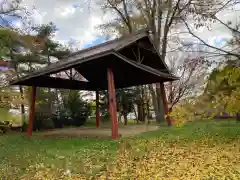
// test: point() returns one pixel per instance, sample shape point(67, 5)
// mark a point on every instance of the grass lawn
point(207, 150)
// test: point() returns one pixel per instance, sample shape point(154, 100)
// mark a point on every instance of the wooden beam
point(165, 104)
point(112, 103)
point(97, 110)
point(31, 111)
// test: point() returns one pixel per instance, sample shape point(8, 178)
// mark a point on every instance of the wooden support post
point(97, 110)
point(31, 111)
point(165, 104)
point(112, 103)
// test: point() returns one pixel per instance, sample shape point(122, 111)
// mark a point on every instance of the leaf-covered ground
point(199, 150)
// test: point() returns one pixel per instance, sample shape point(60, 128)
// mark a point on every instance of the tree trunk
point(165, 104)
point(125, 118)
point(135, 112)
point(63, 97)
point(160, 104)
point(155, 103)
point(22, 105)
point(148, 111)
point(57, 97)
point(140, 112)
point(145, 115)
point(119, 117)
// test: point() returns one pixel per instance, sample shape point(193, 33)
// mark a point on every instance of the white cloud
point(18, 24)
point(73, 19)
point(90, 34)
point(220, 40)
point(94, 21)
point(77, 21)
point(38, 17)
point(64, 11)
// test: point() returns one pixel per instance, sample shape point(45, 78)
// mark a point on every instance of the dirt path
point(98, 133)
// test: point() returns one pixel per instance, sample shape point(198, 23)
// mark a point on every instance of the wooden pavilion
point(128, 61)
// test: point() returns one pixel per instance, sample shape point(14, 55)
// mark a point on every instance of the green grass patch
point(216, 129)
point(20, 154)
point(145, 156)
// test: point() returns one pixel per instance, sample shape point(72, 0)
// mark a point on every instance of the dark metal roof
point(93, 62)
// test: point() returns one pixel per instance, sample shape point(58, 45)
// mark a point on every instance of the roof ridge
point(145, 30)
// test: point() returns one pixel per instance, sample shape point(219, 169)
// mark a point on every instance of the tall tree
point(125, 102)
point(12, 42)
point(157, 15)
point(222, 86)
point(50, 49)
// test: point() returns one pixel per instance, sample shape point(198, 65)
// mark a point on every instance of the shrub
point(58, 122)
point(105, 117)
point(76, 111)
point(24, 126)
point(79, 118)
point(42, 121)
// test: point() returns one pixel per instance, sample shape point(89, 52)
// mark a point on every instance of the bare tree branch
point(119, 12)
point(226, 25)
point(206, 44)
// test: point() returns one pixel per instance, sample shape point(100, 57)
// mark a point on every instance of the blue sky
point(9, 20)
point(219, 41)
point(98, 40)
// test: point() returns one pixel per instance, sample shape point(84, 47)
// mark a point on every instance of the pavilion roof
point(133, 59)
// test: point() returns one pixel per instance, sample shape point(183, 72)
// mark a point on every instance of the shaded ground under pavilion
point(128, 61)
